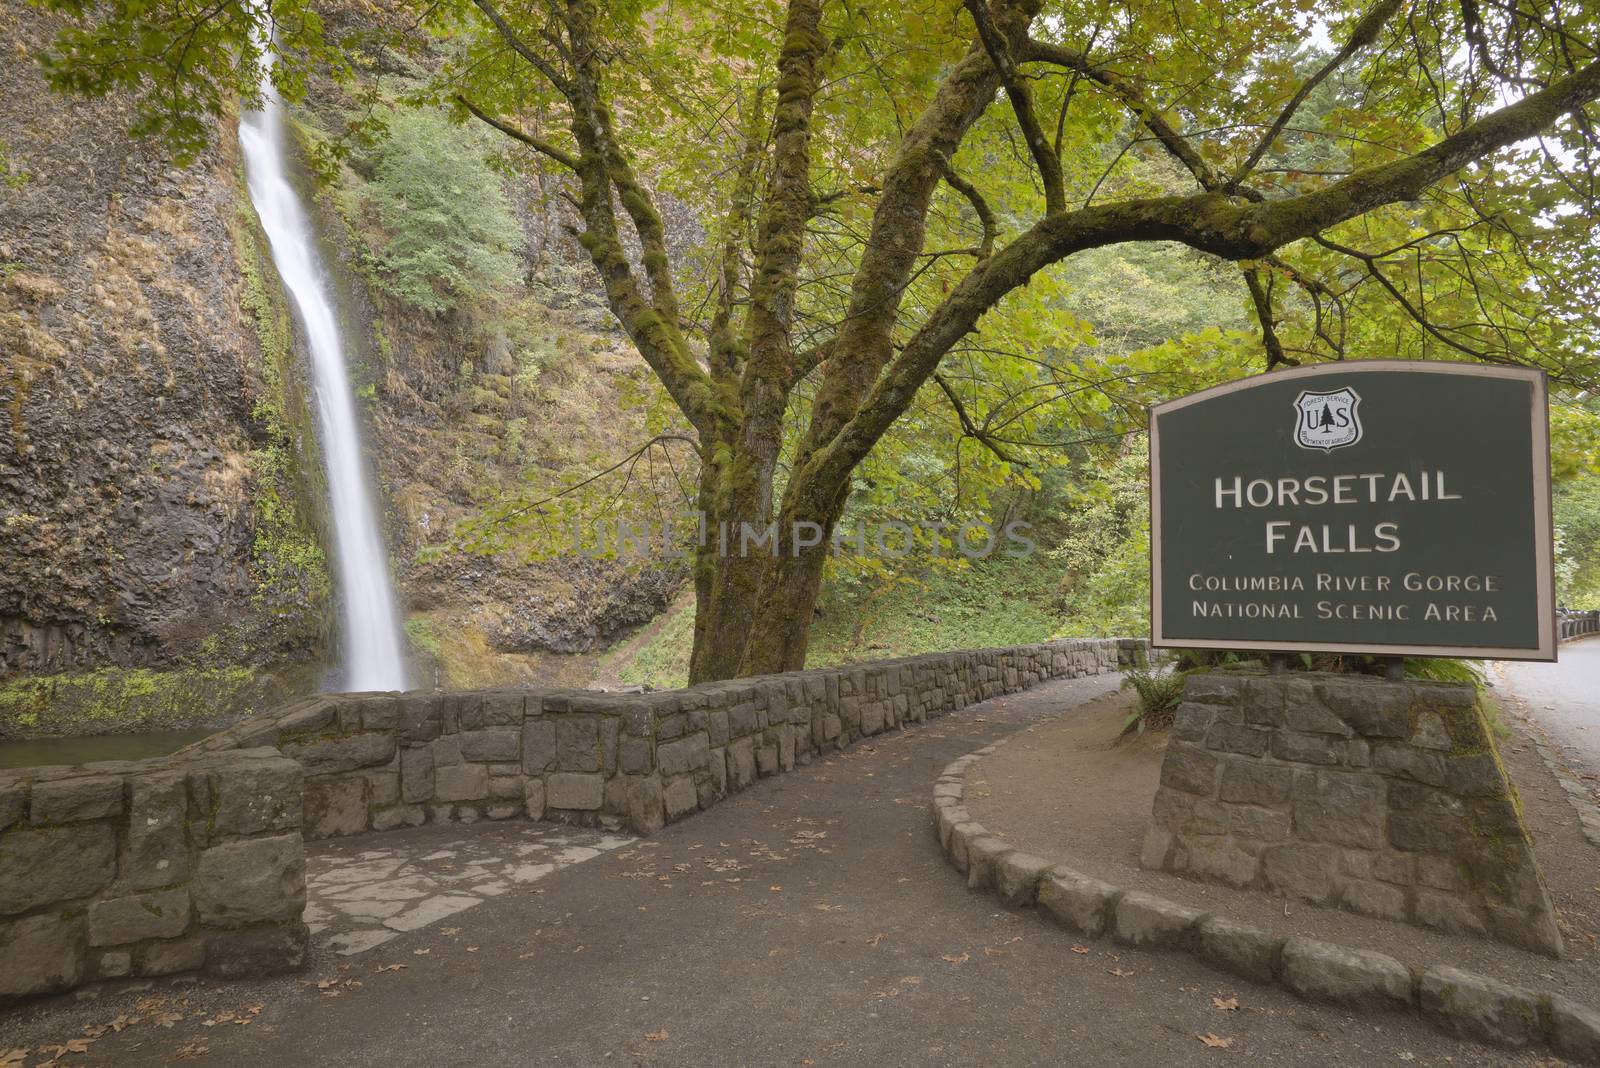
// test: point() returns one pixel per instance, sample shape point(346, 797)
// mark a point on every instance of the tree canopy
point(894, 196)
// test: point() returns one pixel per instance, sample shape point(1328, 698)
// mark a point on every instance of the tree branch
point(1049, 164)
point(1365, 32)
point(975, 198)
point(971, 429)
point(1043, 52)
point(539, 144)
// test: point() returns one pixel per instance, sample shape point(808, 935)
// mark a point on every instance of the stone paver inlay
point(360, 894)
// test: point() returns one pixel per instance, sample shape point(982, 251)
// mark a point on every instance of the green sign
point(1366, 507)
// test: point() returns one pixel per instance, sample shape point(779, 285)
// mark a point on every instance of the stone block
point(1426, 832)
point(383, 788)
point(1238, 738)
point(252, 796)
point(1448, 912)
point(680, 797)
point(505, 787)
point(1476, 775)
point(1151, 922)
point(636, 756)
point(1402, 761)
point(533, 798)
point(42, 954)
point(741, 763)
point(256, 951)
point(1017, 878)
point(717, 726)
point(461, 782)
point(766, 760)
point(1305, 713)
point(1219, 857)
point(1321, 749)
point(492, 744)
point(1191, 722)
point(718, 766)
point(119, 920)
point(333, 755)
point(1383, 900)
point(646, 803)
point(1252, 782)
point(416, 774)
point(1430, 733)
point(1238, 948)
point(76, 798)
point(1213, 689)
point(115, 964)
point(158, 853)
point(1262, 702)
point(578, 743)
point(1574, 1030)
point(684, 756)
point(1345, 808)
point(1373, 708)
point(1252, 821)
point(13, 800)
point(742, 720)
point(1189, 768)
point(1077, 902)
point(1156, 852)
point(574, 791)
point(983, 857)
point(45, 865)
point(172, 957)
point(1320, 971)
point(251, 881)
point(389, 819)
point(417, 716)
point(1301, 870)
point(538, 745)
point(1484, 1010)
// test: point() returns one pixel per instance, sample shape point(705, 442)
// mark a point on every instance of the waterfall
point(373, 650)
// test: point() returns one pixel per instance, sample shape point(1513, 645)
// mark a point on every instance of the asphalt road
point(810, 920)
point(1564, 699)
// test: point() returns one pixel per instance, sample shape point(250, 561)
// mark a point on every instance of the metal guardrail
point(1576, 626)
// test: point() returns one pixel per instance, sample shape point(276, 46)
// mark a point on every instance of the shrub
point(1160, 693)
point(447, 231)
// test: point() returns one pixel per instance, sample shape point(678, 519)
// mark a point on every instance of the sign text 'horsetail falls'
point(1365, 507)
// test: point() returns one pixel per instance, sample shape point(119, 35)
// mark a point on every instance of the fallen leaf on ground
point(13, 1058)
point(1215, 1041)
point(391, 967)
point(1080, 949)
point(958, 959)
point(323, 984)
point(1226, 1004)
point(875, 939)
point(657, 1036)
point(192, 1050)
point(1120, 973)
point(421, 952)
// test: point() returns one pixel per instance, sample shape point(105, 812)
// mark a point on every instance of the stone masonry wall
point(379, 761)
point(196, 861)
point(1383, 798)
point(153, 867)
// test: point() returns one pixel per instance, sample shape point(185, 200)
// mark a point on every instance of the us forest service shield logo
point(1327, 420)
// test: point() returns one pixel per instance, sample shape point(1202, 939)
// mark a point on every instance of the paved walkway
point(810, 920)
point(1564, 699)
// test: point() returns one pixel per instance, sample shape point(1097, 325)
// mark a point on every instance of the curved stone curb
point(1459, 1003)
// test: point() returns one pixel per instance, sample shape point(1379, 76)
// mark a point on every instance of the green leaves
point(445, 231)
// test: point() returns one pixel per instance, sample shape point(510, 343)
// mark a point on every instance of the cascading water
point(374, 653)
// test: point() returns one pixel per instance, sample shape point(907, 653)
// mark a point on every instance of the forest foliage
point(1167, 196)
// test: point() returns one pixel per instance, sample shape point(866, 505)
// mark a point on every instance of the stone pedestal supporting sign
point(1383, 798)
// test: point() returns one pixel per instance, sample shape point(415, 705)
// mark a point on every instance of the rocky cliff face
point(130, 379)
point(159, 485)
